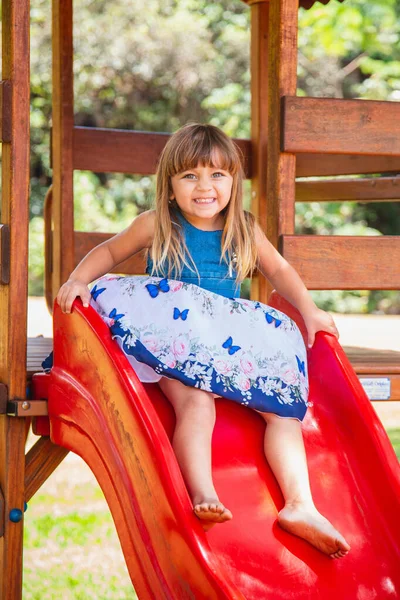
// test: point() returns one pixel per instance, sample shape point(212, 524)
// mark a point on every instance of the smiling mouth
point(204, 200)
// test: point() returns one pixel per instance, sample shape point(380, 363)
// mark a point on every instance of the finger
point(61, 301)
point(86, 297)
point(69, 301)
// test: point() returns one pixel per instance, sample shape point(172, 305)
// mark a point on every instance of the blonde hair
point(190, 146)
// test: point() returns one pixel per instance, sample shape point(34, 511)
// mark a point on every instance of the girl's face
point(201, 194)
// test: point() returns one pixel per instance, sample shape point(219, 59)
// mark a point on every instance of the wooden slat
point(124, 148)
point(259, 124)
point(5, 111)
point(120, 151)
point(373, 360)
point(13, 297)
point(345, 262)
point(62, 143)
point(85, 241)
point(318, 165)
point(340, 126)
point(41, 461)
point(371, 189)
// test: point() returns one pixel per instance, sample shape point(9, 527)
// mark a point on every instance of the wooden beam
point(85, 241)
point(336, 262)
point(259, 125)
point(42, 459)
point(372, 189)
point(62, 143)
point(13, 296)
point(5, 111)
point(340, 126)
point(318, 165)
point(120, 151)
point(282, 81)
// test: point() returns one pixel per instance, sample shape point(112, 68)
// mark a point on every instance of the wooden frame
point(13, 295)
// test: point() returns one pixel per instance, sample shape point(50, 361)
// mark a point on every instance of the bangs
point(205, 146)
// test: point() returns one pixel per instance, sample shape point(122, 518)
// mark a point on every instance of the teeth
point(204, 200)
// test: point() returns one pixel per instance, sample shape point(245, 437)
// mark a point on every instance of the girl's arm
point(104, 258)
point(288, 284)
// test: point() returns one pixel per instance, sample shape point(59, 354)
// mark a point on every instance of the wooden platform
point(381, 365)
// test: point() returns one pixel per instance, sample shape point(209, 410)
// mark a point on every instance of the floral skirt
point(239, 349)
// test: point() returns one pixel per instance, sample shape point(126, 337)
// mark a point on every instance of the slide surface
point(122, 429)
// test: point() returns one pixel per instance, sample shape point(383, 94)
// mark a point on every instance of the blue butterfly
point(155, 288)
point(301, 365)
point(270, 319)
point(183, 315)
point(228, 344)
point(113, 315)
point(95, 292)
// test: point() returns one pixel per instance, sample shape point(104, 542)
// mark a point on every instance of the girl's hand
point(71, 290)
point(319, 320)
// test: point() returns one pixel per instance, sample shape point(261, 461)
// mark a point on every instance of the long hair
point(191, 145)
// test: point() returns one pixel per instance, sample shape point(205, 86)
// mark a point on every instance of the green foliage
point(182, 60)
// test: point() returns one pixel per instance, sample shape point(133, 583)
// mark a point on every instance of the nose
point(204, 184)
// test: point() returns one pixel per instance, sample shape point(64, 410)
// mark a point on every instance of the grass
point(394, 435)
point(71, 549)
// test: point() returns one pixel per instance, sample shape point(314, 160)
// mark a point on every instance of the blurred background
point(181, 60)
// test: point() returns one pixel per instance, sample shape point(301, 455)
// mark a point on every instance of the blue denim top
point(205, 250)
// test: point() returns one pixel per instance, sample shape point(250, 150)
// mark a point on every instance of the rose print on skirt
point(242, 350)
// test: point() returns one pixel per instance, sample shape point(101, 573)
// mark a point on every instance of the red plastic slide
point(122, 428)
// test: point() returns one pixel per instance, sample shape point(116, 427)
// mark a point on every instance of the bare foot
point(310, 525)
point(210, 512)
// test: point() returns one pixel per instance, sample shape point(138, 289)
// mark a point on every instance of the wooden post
point(273, 75)
point(62, 140)
point(282, 81)
point(13, 295)
point(259, 123)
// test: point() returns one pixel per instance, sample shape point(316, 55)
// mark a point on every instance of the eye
point(219, 173)
point(188, 175)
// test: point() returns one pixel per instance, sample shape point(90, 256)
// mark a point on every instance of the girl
point(185, 326)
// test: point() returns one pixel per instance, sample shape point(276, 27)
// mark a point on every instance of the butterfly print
point(96, 292)
point(155, 288)
point(113, 315)
point(270, 319)
point(301, 365)
point(228, 345)
point(183, 315)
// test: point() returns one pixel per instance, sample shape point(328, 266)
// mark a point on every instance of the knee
point(199, 402)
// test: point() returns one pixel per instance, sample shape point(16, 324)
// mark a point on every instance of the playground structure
point(167, 553)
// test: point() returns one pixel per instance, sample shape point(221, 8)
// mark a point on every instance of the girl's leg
point(195, 420)
point(289, 465)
